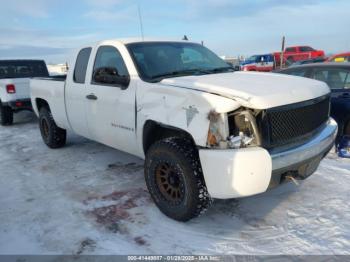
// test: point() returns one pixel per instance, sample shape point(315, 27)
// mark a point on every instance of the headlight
point(233, 130)
point(243, 129)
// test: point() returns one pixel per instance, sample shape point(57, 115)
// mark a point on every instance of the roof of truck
point(126, 41)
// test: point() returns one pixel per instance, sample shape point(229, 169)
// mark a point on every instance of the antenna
point(140, 18)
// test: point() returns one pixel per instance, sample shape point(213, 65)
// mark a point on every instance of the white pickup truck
point(14, 86)
point(204, 131)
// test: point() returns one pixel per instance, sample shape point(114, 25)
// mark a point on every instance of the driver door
point(111, 105)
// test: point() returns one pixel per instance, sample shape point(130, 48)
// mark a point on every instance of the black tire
point(175, 162)
point(53, 136)
point(6, 115)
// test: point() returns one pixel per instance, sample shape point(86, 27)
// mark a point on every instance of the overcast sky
point(50, 29)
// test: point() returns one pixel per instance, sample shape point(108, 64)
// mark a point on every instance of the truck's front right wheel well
point(40, 103)
point(154, 131)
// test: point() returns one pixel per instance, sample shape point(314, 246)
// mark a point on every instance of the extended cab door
point(75, 94)
point(111, 101)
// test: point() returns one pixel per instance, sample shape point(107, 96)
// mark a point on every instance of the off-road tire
point(53, 136)
point(6, 115)
point(182, 157)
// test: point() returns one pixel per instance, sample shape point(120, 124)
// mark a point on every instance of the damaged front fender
point(180, 108)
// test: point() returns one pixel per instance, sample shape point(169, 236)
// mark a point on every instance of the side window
point(109, 58)
point(305, 49)
point(290, 49)
point(81, 65)
point(296, 72)
point(335, 78)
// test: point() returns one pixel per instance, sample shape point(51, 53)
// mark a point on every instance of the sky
point(52, 29)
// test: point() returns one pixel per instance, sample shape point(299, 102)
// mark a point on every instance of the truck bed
point(52, 90)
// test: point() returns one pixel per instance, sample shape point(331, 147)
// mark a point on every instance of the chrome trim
point(318, 144)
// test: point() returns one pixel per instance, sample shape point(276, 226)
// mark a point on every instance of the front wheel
point(53, 136)
point(6, 115)
point(174, 179)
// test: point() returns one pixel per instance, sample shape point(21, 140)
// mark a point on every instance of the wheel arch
point(40, 103)
point(154, 131)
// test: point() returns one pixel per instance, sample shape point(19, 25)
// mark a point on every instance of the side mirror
point(110, 76)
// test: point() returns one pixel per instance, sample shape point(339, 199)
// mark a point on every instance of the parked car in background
point(309, 61)
point(261, 63)
point(204, 130)
point(343, 57)
point(337, 76)
point(14, 86)
point(297, 53)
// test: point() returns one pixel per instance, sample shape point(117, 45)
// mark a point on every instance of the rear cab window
point(23, 69)
point(306, 49)
point(81, 65)
point(291, 49)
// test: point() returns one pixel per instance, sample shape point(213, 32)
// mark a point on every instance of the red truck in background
point(269, 62)
point(296, 53)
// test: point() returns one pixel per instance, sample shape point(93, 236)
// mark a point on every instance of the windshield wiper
point(221, 69)
point(187, 72)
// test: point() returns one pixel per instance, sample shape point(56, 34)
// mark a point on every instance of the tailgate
point(22, 88)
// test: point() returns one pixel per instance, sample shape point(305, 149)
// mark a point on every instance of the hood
point(254, 89)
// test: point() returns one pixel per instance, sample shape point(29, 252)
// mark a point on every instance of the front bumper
point(19, 104)
point(249, 171)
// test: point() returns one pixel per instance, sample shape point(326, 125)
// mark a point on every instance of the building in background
point(58, 69)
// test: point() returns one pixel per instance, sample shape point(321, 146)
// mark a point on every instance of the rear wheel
point(6, 115)
point(174, 179)
point(53, 136)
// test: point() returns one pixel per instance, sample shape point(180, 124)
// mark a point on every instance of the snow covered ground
point(90, 199)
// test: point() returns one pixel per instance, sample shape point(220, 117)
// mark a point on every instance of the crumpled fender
point(184, 109)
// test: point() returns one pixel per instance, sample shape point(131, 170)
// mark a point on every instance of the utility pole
point(282, 51)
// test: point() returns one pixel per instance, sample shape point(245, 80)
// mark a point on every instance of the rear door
point(338, 79)
point(111, 106)
point(75, 94)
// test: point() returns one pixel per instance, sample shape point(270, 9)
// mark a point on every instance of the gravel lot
point(87, 198)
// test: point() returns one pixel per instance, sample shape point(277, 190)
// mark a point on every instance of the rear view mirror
point(110, 76)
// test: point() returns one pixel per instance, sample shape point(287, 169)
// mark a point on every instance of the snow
point(87, 198)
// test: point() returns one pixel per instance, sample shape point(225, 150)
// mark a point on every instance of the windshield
point(22, 69)
point(252, 59)
point(158, 60)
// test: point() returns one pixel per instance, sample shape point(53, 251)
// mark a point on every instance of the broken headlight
point(233, 130)
point(243, 129)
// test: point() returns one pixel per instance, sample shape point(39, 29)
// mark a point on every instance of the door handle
point(91, 97)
